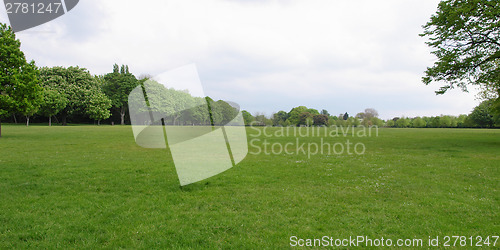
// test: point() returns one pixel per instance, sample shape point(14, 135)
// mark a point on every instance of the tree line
point(72, 94)
point(152, 102)
point(483, 116)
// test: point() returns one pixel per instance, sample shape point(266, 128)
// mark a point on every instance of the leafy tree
point(390, 123)
point(365, 122)
point(435, 122)
point(198, 114)
point(262, 120)
point(279, 118)
point(29, 107)
point(53, 103)
point(178, 107)
point(483, 115)
point(19, 89)
point(159, 99)
point(97, 106)
point(117, 86)
point(320, 120)
point(216, 115)
point(180, 101)
point(368, 117)
point(226, 111)
point(403, 122)
point(465, 36)
point(81, 90)
point(353, 121)
point(377, 122)
point(445, 121)
point(293, 115)
point(454, 121)
point(324, 112)
point(461, 121)
point(345, 116)
point(313, 111)
point(428, 121)
point(268, 122)
point(340, 123)
point(418, 122)
point(247, 117)
point(305, 118)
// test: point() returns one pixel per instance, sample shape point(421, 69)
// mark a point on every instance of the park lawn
point(93, 187)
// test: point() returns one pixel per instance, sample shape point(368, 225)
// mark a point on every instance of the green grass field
point(93, 187)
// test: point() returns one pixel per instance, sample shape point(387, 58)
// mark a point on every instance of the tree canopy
point(19, 89)
point(465, 38)
point(178, 107)
point(117, 86)
point(483, 115)
point(82, 92)
point(294, 114)
point(53, 103)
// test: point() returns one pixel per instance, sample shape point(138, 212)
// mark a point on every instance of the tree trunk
point(50, 121)
point(175, 119)
point(98, 122)
point(122, 115)
point(15, 119)
point(27, 121)
point(64, 120)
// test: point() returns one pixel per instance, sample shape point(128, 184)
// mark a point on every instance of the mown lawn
point(93, 187)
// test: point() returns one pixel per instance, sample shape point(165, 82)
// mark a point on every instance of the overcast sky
point(342, 56)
